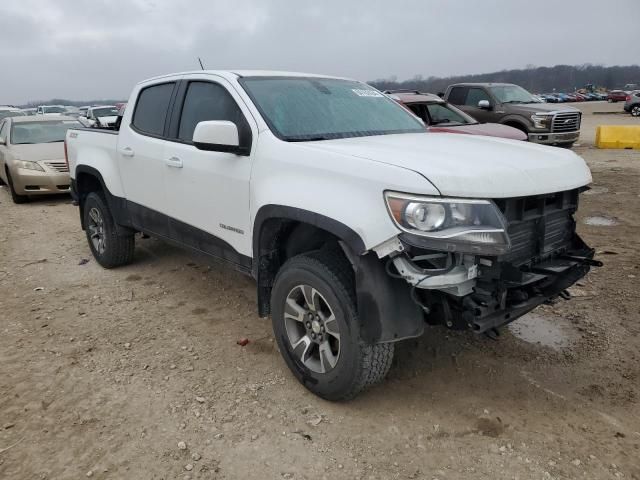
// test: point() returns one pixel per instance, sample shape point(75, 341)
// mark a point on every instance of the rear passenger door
point(208, 192)
point(141, 154)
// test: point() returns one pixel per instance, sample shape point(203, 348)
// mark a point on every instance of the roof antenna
point(201, 66)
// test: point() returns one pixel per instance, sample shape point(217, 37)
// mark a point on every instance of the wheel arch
point(87, 180)
point(516, 122)
point(386, 310)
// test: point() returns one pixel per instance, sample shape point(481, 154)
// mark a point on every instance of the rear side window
point(210, 101)
point(151, 108)
point(457, 95)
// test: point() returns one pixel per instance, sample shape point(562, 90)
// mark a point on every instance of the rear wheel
point(635, 111)
point(108, 247)
point(317, 328)
point(14, 196)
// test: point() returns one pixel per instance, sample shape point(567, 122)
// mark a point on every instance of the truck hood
point(538, 107)
point(471, 165)
point(38, 151)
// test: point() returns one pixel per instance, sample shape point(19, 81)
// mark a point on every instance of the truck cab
point(357, 226)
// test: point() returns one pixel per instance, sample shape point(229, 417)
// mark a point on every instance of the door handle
point(174, 162)
point(127, 152)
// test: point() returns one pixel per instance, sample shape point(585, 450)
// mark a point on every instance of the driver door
point(474, 96)
point(207, 192)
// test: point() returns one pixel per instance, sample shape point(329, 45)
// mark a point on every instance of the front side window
point(151, 109)
point(24, 133)
point(210, 101)
point(440, 113)
point(475, 95)
point(307, 109)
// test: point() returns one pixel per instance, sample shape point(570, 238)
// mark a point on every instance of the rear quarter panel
point(97, 150)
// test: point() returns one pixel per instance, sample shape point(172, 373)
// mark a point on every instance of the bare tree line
point(535, 79)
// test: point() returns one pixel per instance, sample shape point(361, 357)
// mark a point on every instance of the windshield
point(53, 109)
point(512, 94)
point(23, 133)
point(105, 112)
point(11, 113)
point(306, 109)
point(440, 114)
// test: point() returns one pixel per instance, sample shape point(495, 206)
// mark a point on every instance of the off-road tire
point(118, 248)
point(359, 364)
point(14, 196)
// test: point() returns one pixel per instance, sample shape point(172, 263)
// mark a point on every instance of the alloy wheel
point(312, 329)
point(96, 230)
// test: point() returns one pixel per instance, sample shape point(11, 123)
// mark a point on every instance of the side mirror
point(484, 105)
point(218, 136)
point(3, 141)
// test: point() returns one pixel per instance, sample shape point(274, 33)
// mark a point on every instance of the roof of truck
point(481, 84)
point(247, 73)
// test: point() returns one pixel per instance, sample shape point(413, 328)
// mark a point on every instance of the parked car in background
point(357, 226)
point(50, 110)
point(616, 96)
point(32, 159)
point(10, 112)
point(102, 116)
point(440, 116)
point(29, 111)
point(71, 111)
point(512, 105)
point(632, 103)
point(548, 97)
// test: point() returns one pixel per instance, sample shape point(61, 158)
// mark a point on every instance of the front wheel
point(108, 247)
point(17, 198)
point(316, 325)
point(635, 111)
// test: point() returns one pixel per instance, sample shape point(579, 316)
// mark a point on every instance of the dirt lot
point(103, 373)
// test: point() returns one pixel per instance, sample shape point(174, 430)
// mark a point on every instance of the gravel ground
point(135, 372)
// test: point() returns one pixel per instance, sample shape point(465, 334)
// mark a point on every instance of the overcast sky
point(80, 49)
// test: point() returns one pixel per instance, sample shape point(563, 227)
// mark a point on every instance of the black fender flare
point(117, 205)
point(386, 310)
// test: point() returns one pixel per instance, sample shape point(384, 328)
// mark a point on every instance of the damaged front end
point(514, 255)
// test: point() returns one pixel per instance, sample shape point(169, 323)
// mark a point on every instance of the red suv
point(616, 96)
point(441, 116)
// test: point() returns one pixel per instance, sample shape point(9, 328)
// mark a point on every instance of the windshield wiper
point(308, 139)
point(55, 141)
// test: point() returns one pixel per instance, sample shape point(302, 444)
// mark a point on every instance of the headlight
point(541, 120)
point(451, 224)
point(28, 165)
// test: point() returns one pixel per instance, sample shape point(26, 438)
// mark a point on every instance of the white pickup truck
point(358, 226)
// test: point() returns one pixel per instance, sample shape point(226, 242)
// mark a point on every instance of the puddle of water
point(542, 330)
point(600, 221)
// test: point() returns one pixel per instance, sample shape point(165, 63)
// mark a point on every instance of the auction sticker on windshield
point(366, 93)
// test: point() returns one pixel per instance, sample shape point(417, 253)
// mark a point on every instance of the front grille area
point(565, 122)
point(58, 166)
point(539, 225)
